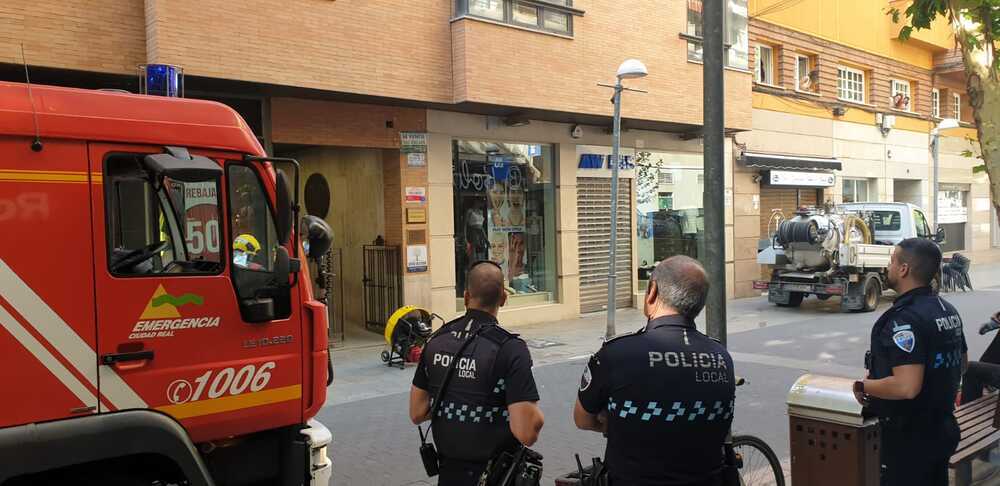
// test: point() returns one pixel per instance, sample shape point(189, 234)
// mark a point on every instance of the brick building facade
point(505, 94)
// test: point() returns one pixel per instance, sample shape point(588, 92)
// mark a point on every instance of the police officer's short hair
point(923, 256)
point(485, 283)
point(682, 284)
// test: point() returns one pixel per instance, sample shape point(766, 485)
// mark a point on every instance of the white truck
point(841, 250)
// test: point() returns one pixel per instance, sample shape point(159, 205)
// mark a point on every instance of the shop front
point(593, 205)
point(788, 183)
point(504, 211)
point(953, 215)
point(536, 200)
point(669, 211)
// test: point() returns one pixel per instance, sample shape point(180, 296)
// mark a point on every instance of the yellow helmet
point(247, 244)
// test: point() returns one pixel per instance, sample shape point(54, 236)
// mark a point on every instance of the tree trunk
point(983, 90)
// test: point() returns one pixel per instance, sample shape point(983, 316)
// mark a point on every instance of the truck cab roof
point(94, 115)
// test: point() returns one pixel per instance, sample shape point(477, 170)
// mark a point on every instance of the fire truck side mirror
point(282, 267)
point(283, 207)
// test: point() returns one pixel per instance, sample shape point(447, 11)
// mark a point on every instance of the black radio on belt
point(429, 455)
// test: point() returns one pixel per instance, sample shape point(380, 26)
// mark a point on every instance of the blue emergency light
point(161, 80)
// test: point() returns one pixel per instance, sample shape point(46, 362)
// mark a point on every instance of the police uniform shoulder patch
point(623, 336)
point(903, 337)
point(586, 378)
point(498, 334)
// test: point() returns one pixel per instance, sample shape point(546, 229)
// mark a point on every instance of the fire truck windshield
point(165, 226)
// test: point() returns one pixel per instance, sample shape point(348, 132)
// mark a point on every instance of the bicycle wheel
point(760, 464)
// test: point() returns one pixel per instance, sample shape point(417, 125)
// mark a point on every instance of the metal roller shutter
point(594, 220)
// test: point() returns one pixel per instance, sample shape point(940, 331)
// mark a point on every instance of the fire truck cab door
point(179, 245)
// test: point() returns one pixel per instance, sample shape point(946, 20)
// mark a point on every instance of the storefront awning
point(755, 160)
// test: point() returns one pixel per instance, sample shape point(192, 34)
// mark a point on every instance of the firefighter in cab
point(474, 384)
point(245, 252)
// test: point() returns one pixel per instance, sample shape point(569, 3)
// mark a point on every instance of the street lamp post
point(630, 69)
point(713, 102)
point(936, 155)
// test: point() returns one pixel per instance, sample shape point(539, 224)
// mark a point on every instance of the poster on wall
point(507, 221)
point(416, 258)
point(416, 195)
point(416, 159)
point(506, 196)
point(201, 211)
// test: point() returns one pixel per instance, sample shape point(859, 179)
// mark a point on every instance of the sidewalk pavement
point(360, 374)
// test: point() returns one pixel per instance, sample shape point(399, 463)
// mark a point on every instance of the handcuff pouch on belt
point(521, 467)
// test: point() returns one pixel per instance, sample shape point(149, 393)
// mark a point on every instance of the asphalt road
point(375, 444)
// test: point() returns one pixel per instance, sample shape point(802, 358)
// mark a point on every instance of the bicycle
point(757, 463)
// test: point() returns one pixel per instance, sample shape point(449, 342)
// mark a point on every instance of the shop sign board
point(416, 159)
point(952, 215)
point(416, 195)
point(412, 142)
point(793, 178)
point(416, 215)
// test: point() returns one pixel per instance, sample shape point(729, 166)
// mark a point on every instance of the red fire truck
point(157, 325)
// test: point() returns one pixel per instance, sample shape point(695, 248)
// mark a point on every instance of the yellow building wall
point(861, 24)
point(765, 101)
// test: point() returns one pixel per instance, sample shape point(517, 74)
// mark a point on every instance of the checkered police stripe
point(675, 412)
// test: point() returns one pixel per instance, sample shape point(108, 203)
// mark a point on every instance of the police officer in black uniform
point(491, 402)
point(664, 395)
point(917, 357)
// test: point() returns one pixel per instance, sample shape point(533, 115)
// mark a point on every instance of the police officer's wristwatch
point(859, 388)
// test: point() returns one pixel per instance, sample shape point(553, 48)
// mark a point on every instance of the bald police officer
point(916, 361)
point(663, 395)
point(491, 402)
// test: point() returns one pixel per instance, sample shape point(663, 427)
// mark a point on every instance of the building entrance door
point(344, 186)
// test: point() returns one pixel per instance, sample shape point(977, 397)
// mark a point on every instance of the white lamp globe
point(631, 69)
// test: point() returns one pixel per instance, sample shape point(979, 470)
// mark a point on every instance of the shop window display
point(505, 212)
point(670, 216)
